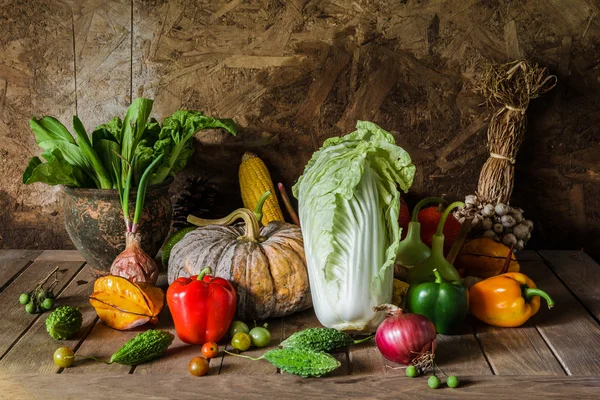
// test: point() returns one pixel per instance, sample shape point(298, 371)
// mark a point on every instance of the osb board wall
point(293, 73)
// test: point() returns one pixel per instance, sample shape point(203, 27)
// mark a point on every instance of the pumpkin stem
point(252, 227)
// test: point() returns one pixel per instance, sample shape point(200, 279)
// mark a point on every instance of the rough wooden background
point(293, 73)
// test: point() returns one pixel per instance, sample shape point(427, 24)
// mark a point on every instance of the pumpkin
point(484, 258)
point(266, 265)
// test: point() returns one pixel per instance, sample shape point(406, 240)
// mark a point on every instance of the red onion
point(402, 337)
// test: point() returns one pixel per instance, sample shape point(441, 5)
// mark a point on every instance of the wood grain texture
point(103, 59)
point(16, 320)
point(568, 329)
point(259, 387)
point(579, 273)
point(36, 79)
point(21, 358)
point(13, 262)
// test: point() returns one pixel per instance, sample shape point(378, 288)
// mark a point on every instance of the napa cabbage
point(349, 200)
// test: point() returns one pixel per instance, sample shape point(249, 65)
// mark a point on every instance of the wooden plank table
point(555, 354)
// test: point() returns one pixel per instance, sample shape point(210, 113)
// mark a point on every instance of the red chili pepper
point(202, 307)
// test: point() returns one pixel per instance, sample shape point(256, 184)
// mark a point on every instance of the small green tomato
point(241, 341)
point(24, 298)
point(260, 337)
point(411, 371)
point(452, 381)
point(64, 357)
point(236, 327)
point(30, 308)
point(47, 304)
point(434, 382)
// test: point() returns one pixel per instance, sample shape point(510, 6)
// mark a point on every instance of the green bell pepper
point(444, 303)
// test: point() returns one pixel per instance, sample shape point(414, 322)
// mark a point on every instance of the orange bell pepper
point(506, 300)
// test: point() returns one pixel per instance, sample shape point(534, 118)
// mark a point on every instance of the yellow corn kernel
point(255, 180)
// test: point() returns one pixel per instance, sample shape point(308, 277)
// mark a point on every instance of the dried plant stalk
point(513, 85)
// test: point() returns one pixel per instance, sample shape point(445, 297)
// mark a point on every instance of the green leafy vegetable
point(105, 159)
point(348, 198)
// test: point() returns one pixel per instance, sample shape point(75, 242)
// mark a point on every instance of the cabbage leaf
point(349, 200)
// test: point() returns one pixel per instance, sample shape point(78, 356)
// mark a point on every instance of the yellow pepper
point(506, 300)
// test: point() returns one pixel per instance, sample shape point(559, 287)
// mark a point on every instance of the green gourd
point(412, 250)
point(301, 362)
point(144, 347)
point(423, 272)
point(320, 339)
point(64, 322)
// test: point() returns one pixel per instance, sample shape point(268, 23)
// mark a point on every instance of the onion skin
point(134, 264)
point(401, 337)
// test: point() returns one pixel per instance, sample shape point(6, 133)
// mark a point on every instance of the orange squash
point(484, 258)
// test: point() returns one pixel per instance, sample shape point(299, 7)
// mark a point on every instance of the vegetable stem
point(205, 270)
point(248, 357)
point(288, 204)
point(252, 228)
point(529, 293)
point(258, 210)
point(359, 341)
point(438, 277)
point(508, 260)
point(460, 240)
point(420, 204)
point(440, 227)
point(141, 192)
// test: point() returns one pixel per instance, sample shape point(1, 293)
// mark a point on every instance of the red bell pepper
point(202, 307)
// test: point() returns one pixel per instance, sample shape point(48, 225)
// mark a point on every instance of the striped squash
point(266, 265)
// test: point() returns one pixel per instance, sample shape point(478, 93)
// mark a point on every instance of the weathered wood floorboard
point(13, 262)
point(179, 386)
point(15, 320)
point(579, 273)
point(33, 352)
point(570, 331)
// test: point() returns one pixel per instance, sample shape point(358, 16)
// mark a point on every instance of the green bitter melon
point(320, 339)
point(144, 347)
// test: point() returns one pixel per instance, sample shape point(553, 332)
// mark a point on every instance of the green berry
point(411, 371)
point(47, 304)
point(24, 298)
point(434, 382)
point(452, 381)
point(30, 308)
point(41, 296)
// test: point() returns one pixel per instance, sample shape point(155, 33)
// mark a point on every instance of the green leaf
point(134, 125)
point(111, 130)
point(56, 171)
point(97, 170)
point(49, 128)
point(175, 140)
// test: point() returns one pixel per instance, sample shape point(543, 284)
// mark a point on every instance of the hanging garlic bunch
point(500, 222)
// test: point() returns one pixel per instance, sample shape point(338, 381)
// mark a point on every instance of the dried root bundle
point(512, 85)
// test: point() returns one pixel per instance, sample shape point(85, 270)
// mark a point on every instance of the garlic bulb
point(498, 228)
point(517, 214)
point(471, 200)
point(509, 239)
point(507, 221)
point(528, 223)
point(489, 234)
point(487, 224)
point(520, 245)
point(501, 209)
point(521, 231)
point(488, 210)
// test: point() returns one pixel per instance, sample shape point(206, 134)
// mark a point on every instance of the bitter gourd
point(64, 322)
point(144, 347)
point(320, 339)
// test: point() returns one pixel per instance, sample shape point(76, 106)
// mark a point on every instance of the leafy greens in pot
point(349, 200)
point(104, 160)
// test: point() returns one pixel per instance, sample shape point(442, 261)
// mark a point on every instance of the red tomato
point(210, 349)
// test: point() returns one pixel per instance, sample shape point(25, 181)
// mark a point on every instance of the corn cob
point(254, 181)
